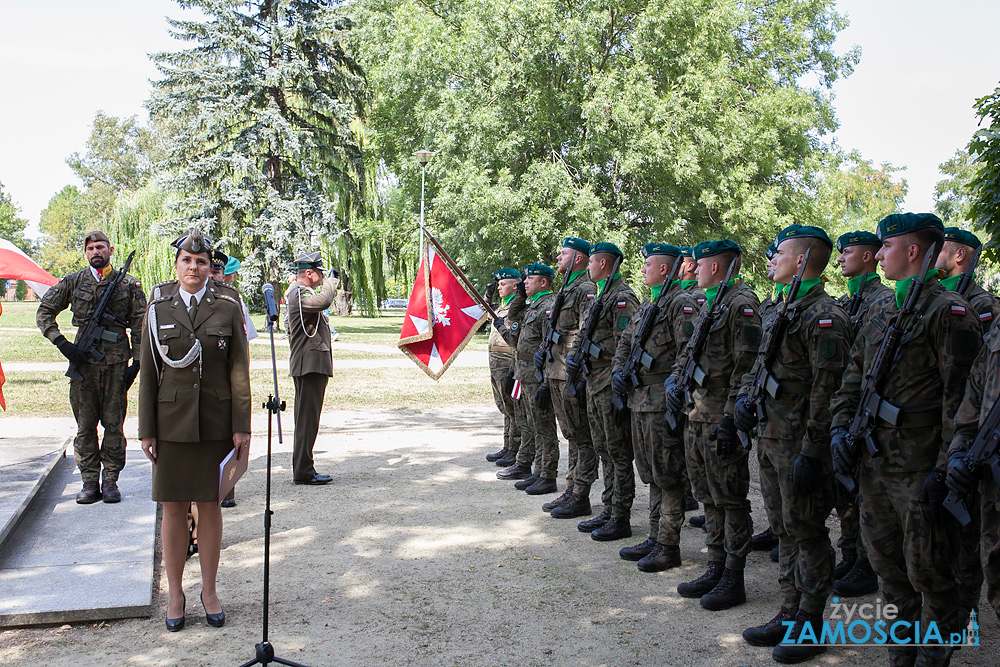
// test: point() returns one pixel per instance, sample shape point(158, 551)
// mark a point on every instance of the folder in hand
point(232, 468)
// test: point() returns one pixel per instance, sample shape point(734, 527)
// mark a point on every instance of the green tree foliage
point(985, 150)
point(12, 225)
point(952, 194)
point(623, 120)
point(63, 224)
point(264, 151)
point(137, 223)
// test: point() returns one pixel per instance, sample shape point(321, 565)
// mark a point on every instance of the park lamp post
point(423, 156)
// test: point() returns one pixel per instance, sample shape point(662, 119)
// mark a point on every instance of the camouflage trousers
point(659, 458)
point(721, 485)
point(849, 512)
point(571, 415)
point(969, 563)
point(912, 548)
point(542, 455)
point(613, 444)
point(991, 542)
point(100, 398)
point(500, 365)
point(805, 556)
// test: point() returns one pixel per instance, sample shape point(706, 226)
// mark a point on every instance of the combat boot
point(808, 624)
point(509, 459)
point(764, 540)
point(661, 558)
point(522, 484)
point(590, 525)
point(91, 493)
point(552, 504)
point(615, 529)
point(775, 554)
point(861, 580)
point(575, 506)
point(690, 504)
point(728, 593)
point(541, 487)
point(514, 472)
point(110, 491)
point(495, 456)
point(844, 566)
point(639, 551)
point(697, 521)
point(704, 583)
point(772, 632)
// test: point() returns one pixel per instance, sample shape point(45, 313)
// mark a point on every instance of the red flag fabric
point(3, 378)
point(14, 264)
point(441, 319)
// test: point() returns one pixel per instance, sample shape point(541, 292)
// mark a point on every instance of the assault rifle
point(763, 381)
point(691, 371)
point(855, 304)
point(585, 349)
point(553, 336)
point(872, 405)
point(636, 355)
point(94, 330)
point(966, 280)
point(982, 452)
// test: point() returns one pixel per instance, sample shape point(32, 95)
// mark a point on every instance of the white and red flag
point(14, 264)
point(442, 316)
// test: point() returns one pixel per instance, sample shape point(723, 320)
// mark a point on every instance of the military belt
point(714, 383)
point(524, 356)
point(501, 348)
point(915, 420)
point(599, 363)
point(656, 378)
point(795, 387)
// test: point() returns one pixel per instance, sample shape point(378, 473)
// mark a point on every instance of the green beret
point(686, 251)
point(710, 248)
point(660, 249)
point(771, 250)
point(539, 270)
point(507, 272)
point(232, 266)
point(94, 237)
point(309, 260)
point(194, 242)
point(856, 238)
point(959, 235)
point(576, 244)
point(609, 248)
point(904, 223)
point(802, 231)
point(219, 259)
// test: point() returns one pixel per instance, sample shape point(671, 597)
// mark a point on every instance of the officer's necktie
point(193, 310)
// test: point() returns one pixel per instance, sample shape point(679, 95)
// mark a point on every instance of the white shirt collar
point(186, 296)
point(96, 274)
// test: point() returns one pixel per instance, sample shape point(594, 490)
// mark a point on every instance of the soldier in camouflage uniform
point(854, 576)
point(793, 441)
point(502, 367)
point(101, 396)
point(538, 434)
point(910, 544)
point(578, 293)
point(716, 460)
point(981, 394)
point(609, 431)
point(659, 454)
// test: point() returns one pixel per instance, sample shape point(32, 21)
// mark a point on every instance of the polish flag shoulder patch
point(688, 310)
point(622, 304)
point(958, 310)
point(547, 313)
point(701, 302)
point(985, 317)
point(591, 296)
point(748, 312)
point(825, 323)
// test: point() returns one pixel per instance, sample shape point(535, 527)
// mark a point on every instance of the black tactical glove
point(490, 291)
point(675, 400)
point(619, 384)
point(543, 397)
point(727, 440)
point(745, 414)
point(934, 491)
point(71, 351)
point(131, 373)
point(521, 291)
point(807, 473)
point(573, 368)
point(498, 324)
point(960, 478)
point(843, 457)
point(539, 359)
point(508, 382)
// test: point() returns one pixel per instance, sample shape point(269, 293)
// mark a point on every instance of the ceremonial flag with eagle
point(442, 316)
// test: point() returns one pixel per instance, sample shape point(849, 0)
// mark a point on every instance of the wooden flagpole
point(454, 267)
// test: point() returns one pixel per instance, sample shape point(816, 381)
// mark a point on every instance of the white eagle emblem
point(439, 308)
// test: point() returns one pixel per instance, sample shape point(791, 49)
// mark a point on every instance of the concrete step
point(25, 463)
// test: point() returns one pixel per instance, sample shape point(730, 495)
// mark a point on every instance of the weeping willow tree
point(138, 223)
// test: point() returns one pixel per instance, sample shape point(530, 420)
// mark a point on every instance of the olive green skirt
point(188, 471)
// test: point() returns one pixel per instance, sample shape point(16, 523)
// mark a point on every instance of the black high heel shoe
point(175, 624)
point(215, 620)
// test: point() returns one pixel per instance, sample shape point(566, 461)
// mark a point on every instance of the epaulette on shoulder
point(226, 297)
point(165, 282)
point(224, 286)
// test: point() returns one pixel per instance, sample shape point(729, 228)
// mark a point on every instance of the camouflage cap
point(802, 231)
point(309, 260)
point(194, 241)
point(94, 237)
point(609, 248)
point(710, 248)
point(771, 250)
point(686, 251)
point(660, 249)
point(904, 223)
point(507, 272)
point(576, 244)
point(539, 270)
point(232, 266)
point(219, 259)
point(857, 237)
point(959, 235)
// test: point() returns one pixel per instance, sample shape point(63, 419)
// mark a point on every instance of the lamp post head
point(423, 156)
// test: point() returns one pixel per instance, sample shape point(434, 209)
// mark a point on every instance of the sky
point(908, 103)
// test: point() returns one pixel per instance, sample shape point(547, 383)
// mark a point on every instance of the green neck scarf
point(656, 291)
point(804, 287)
point(535, 297)
point(951, 284)
point(507, 299)
point(854, 284)
point(688, 284)
point(601, 284)
point(710, 292)
point(903, 286)
point(576, 274)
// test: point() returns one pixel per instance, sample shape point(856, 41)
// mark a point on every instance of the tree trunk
point(342, 303)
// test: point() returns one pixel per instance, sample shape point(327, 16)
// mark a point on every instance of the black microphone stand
point(264, 650)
